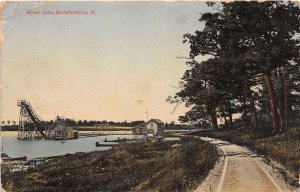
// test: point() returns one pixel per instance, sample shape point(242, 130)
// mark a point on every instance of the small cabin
point(63, 132)
point(139, 129)
point(152, 127)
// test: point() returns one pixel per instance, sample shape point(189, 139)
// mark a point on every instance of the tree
point(268, 38)
point(244, 40)
point(70, 122)
point(199, 93)
point(84, 123)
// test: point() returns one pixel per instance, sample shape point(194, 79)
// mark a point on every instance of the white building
point(152, 127)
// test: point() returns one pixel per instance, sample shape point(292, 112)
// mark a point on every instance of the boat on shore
point(10, 159)
point(4, 155)
point(106, 144)
point(118, 140)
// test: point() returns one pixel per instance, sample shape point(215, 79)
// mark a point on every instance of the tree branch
point(174, 109)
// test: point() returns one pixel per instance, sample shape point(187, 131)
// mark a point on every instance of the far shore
point(15, 133)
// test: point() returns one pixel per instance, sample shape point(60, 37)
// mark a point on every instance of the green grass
point(158, 166)
point(283, 148)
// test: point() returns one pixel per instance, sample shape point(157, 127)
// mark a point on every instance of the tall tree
point(244, 40)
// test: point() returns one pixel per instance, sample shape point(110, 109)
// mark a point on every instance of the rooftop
point(158, 121)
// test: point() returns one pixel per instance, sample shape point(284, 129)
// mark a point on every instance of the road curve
point(240, 170)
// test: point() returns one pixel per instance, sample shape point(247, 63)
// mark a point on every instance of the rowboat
point(105, 144)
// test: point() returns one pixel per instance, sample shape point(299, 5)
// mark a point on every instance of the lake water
point(14, 147)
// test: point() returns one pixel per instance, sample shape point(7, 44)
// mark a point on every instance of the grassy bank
point(160, 166)
point(283, 148)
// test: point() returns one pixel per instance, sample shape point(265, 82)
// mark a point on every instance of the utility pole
point(147, 114)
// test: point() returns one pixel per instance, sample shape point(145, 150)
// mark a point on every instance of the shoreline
point(155, 161)
point(15, 133)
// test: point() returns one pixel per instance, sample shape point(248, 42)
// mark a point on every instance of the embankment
point(148, 166)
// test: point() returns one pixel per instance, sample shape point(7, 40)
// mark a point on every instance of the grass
point(283, 148)
point(159, 166)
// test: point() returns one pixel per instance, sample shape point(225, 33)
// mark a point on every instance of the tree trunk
point(286, 95)
point(230, 120)
point(213, 118)
point(254, 124)
point(273, 106)
point(225, 120)
point(283, 111)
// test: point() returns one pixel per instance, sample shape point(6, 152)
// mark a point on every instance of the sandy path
point(241, 170)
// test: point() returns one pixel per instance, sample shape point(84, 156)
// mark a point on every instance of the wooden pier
point(104, 133)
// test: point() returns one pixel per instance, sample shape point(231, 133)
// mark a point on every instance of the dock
point(103, 133)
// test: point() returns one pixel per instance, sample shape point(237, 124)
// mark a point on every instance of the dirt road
point(240, 170)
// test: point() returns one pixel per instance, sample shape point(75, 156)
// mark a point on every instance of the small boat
point(105, 144)
point(118, 140)
point(4, 155)
point(9, 159)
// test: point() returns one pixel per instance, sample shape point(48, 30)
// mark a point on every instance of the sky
point(111, 65)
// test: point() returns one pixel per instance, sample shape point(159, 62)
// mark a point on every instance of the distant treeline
point(111, 128)
point(9, 128)
point(79, 125)
point(181, 126)
point(72, 123)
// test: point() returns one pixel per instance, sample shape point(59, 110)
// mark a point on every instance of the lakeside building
point(59, 131)
point(63, 132)
point(152, 127)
